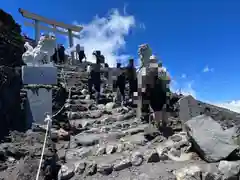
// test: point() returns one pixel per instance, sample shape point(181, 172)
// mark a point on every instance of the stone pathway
point(112, 142)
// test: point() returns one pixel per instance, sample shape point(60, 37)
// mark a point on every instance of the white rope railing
point(48, 119)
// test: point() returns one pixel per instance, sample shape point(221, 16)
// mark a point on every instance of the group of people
point(117, 78)
point(59, 55)
point(148, 88)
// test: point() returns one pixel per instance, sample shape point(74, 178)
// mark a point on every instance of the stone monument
point(39, 76)
point(188, 108)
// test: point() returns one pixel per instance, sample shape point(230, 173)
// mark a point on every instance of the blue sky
point(197, 40)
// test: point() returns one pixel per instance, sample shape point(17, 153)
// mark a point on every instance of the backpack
point(164, 79)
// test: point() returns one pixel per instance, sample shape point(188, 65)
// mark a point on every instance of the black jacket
point(131, 73)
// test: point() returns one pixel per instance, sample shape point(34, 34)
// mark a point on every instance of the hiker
point(153, 82)
point(132, 78)
point(99, 56)
point(94, 79)
point(207, 111)
point(113, 76)
point(163, 81)
point(61, 54)
point(120, 83)
point(54, 56)
point(88, 70)
point(144, 52)
point(106, 69)
point(81, 53)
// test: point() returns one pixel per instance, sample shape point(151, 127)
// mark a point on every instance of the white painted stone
point(43, 51)
point(189, 108)
point(40, 71)
point(40, 103)
point(44, 74)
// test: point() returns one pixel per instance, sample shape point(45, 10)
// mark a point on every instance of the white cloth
point(89, 68)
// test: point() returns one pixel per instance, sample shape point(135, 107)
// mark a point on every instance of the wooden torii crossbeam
point(38, 19)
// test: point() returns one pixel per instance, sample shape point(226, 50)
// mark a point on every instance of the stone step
point(86, 138)
point(87, 114)
point(90, 139)
point(118, 121)
point(116, 156)
point(80, 101)
point(77, 107)
point(78, 97)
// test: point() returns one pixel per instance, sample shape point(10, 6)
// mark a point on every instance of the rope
point(49, 121)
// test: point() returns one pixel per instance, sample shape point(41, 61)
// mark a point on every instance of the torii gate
point(38, 19)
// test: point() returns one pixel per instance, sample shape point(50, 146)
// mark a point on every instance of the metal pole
point(37, 31)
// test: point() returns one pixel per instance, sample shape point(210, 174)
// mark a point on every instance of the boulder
point(122, 164)
point(65, 173)
point(109, 106)
point(188, 173)
point(229, 169)
point(209, 139)
point(137, 159)
point(105, 169)
point(79, 167)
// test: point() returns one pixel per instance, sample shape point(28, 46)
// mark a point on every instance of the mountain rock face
point(11, 50)
point(12, 44)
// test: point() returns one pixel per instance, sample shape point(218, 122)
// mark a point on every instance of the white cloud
point(183, 88)
point(142, 26)
point(107, 34)
point(188, 90)
point(233, 105)
point(183, 76)
point(207, 69)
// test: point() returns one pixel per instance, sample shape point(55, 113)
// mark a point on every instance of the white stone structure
point(38, 74)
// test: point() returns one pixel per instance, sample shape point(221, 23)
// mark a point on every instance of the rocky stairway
point(108, 139)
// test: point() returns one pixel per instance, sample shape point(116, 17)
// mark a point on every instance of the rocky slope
point(103, 141)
